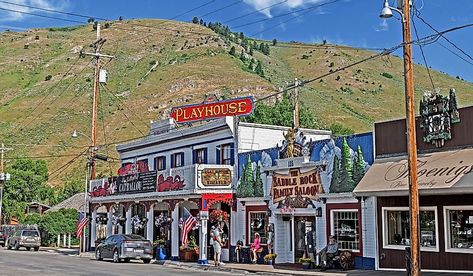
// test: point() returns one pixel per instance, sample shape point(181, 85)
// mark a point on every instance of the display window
point(345, 228)
point(459, 232)
point(257, 222)
point(396, 228)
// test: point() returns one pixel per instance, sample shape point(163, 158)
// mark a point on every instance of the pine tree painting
point(346, 174)
point(335, 175)
point(245, 189)
point(358, 167)
point(258, 187)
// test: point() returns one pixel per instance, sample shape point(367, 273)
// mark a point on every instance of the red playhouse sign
point(213, 110)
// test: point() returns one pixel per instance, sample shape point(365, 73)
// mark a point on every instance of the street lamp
point(404, 11)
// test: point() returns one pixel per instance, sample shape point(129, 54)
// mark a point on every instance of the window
point(257, 222)
point(346, 229)
point(459, 232)
point(226, 154)
point(177, 160)
point(200, 156)
point(396, 228)
point(160, 163)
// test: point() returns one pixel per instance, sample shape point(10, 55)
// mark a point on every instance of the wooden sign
point(216, 177)
point(197, 112)
point(296, 184)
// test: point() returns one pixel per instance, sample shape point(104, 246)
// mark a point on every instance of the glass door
point(304, 230)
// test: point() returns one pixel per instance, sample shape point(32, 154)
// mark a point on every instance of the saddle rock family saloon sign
point(213, 110)
point(296, 184)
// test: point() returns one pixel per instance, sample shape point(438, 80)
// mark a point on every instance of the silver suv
point(24, 238)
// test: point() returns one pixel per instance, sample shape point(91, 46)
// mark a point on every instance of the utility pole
point(296, 103)
point(97, 45)
point(3, 178)
point(411, 140)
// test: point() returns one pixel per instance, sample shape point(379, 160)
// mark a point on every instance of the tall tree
point(258, 187)
point(251, 51)
point(232, 51)
point(358, 167)
point(242, 56)
point(275, 41)
point(334, 183)
point(259, 69)
point(195, 20)
point(251, 65)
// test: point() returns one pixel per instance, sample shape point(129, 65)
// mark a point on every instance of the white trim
point(446, 220)
point(429, 270)
point(376, 259)
point(332, 226)
point(403, 247)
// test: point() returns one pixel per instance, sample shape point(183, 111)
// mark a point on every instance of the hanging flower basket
point(218, 215)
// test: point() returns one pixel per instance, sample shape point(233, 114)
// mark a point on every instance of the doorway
point(304, 234)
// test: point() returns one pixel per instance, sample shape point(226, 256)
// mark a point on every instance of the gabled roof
point(75, 202)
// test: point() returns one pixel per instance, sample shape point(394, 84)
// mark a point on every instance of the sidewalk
point(73, 251)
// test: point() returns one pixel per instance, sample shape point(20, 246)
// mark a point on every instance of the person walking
point(217, 244)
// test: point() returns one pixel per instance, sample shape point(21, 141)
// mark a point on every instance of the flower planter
point(270, 262)
point(188, 255)
point(305, 265)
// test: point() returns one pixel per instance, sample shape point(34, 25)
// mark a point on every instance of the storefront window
point(346, 229)
point(257, 224)
point(460, 232)
point(177, 160)
point(396, 222)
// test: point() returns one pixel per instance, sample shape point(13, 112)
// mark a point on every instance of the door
point(304, 227)
point(289, 230)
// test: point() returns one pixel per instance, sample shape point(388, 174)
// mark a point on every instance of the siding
point(369, 227)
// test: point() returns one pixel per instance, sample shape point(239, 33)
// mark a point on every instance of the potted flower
point(269, 258)
point(190, 251)
point(305, 262)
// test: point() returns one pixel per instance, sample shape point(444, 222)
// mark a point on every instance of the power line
point(42, 15)
point(222, 8)
point(68, 163)
point(253, 12)
point(41, 156)
point(191, 10)
point(423, 56)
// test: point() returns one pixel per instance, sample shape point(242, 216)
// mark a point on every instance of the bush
point(387, 75)
point(48, 77)
point(270, 257)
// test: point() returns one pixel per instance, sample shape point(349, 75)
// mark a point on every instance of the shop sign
point(198, 112)
point(216, 177)
point(100, 187)
point(305, 185)
point(170, 183)
point(135, 183)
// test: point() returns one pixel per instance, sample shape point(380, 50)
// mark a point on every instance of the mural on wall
point(170, 183)
point(347, 159)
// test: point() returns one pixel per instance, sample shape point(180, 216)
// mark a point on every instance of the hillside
point(46, 87)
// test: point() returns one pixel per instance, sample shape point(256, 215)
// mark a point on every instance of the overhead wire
point(423, 55)
point(63, 167)
point(254, 12)
point(222, 8)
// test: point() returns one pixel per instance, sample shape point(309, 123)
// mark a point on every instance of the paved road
point(22, 263)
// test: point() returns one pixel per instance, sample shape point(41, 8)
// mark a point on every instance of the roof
point(75, 202)
point(38, 203)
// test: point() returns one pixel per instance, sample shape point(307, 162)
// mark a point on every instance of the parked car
point(24, 238)
point(3, 237)
point(125, 247)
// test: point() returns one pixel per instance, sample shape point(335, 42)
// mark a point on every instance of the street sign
point(213, 110)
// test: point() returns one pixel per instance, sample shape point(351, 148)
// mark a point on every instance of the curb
point(224, 269)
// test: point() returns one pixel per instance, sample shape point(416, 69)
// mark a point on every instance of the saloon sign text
point(306, 185)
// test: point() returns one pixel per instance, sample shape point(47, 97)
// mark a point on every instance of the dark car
point(24, 238)
point(3, 238)
point(125, 247)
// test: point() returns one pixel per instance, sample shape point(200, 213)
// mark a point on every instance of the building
point(445, 178)
point(177, 171)
point(302, 191)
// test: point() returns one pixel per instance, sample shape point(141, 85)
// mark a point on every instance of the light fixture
point(386, 12)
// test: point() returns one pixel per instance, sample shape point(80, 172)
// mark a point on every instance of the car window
point(108, 240)
point(30, 233)
point(133, 237)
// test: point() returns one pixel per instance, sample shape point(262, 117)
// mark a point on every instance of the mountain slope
point(47, 88)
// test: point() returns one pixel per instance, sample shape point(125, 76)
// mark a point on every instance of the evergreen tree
point(252, 64)
point(245, 189)
point(242, 36)
point(201, 22)
point(195, 20)
point(275, 42)
point(346, 173)
point(259, 69)
point(242, 56)
point(358, 167)
point(265, 49)
point(334, 187)
point(258, 187)
point(251, 51)
point(232, 51)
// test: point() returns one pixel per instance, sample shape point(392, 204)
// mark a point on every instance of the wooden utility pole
point(93, 147)
point(296, 103)
point(411, 141)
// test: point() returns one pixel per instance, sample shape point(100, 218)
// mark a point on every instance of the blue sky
point(348, 22)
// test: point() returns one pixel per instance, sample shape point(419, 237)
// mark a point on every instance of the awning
point(438, 173)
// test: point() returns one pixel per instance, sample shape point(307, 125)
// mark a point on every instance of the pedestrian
point(217, 244)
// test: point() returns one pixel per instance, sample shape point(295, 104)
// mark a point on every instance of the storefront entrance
point(304, 234)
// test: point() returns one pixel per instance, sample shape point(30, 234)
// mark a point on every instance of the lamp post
point(404, 10)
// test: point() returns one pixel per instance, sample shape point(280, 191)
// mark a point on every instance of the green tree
point(251, 51)
point(232, 51)
point(275, 41)
point(33, 219)
point(241, 36)
point(195, 20)
point(258, 185)
point(259, 69)
point(251, 65)
point(358, 167)
point(242, 56)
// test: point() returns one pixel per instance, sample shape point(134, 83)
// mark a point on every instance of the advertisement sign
point(135, 183)
point(216, 177)
point(296, 184)
point(213, 110)
point(101, 187)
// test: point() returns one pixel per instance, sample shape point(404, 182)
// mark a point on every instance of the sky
point(346, 22)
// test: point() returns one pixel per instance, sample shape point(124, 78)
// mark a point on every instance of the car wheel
point(146, 261)
point(126, 260)
point(116, 257)
point(28, 248)
point(36, 248)
point(98, 255)
point(17, 246)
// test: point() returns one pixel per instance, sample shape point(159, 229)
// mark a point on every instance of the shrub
point(387, 75)
point(48, 77)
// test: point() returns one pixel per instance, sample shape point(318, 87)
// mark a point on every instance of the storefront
point(296, 201)
point(445, 179)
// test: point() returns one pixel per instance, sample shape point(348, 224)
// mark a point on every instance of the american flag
point(81, 225)
point(189, 222)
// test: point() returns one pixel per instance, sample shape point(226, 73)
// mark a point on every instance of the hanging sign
point(197, 112)
point(296, 184)
point(216, 177)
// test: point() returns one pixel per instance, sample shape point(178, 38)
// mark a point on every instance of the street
point(44, 263)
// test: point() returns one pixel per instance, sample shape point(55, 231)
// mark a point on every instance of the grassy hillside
point(46, 87)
